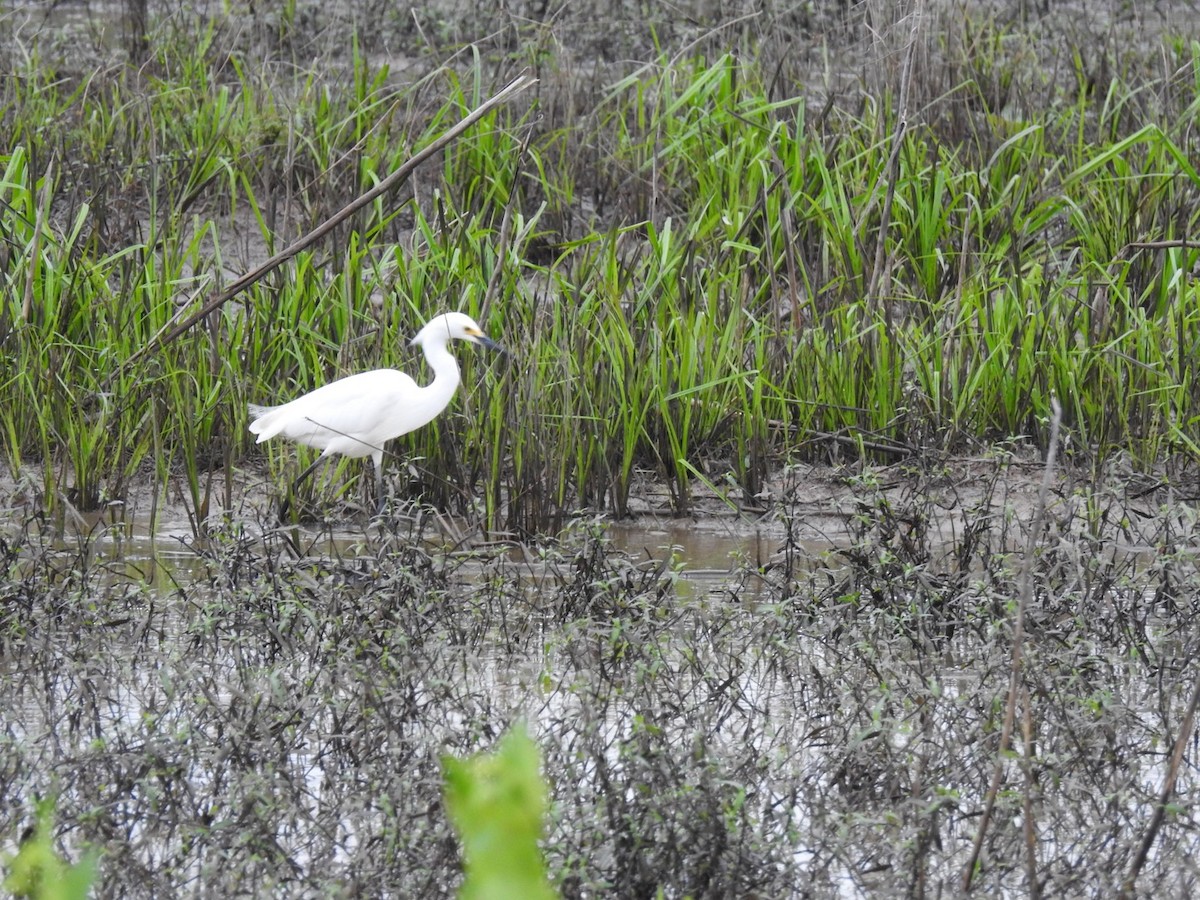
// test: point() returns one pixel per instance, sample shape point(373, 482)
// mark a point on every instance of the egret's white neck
point(446, 376)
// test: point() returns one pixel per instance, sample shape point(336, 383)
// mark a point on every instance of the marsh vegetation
point(711, 258)
point(723, 243)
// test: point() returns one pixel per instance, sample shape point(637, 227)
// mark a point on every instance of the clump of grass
point(37, 872)
point(498, 803)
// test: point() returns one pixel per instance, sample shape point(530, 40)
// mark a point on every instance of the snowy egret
point(355, 416)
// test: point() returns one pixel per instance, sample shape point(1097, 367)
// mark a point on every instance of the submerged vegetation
point(278, 726)
point(709, 260)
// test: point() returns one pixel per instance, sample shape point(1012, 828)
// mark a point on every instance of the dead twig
point(502, 247)
point(35, 250)
point(1031, 840)
point(1180, 244)
point(892, 172)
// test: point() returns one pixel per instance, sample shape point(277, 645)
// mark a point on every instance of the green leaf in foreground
point(37, 871)
point(496, 802)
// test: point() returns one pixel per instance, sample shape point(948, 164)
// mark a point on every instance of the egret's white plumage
point(355, 416)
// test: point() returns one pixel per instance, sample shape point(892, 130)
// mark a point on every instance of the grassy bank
point(706, 263)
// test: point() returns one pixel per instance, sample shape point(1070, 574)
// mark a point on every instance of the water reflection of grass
point(276, 725)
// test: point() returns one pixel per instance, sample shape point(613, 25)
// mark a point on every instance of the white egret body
point(355, 416)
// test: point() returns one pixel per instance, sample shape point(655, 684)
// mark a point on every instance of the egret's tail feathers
point(260, 421)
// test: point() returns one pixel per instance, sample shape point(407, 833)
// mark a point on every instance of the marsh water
point(723, 711)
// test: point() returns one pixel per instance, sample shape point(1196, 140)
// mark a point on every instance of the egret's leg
point(380, 499)
point(286, 505)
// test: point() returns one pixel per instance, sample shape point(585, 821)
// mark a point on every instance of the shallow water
point(701, 549)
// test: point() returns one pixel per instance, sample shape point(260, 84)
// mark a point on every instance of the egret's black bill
point(485, 341)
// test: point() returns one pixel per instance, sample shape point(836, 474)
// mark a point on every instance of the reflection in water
point(699, 549)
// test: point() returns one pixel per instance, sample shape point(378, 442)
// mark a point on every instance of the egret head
point(454, 326)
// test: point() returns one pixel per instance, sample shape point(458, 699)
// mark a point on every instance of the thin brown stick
point(902, 451)
point(390, 183)
point(1180, 244)
point(502, 248)
point(1160, 809)
point(885, 216)
point(1014, 679)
